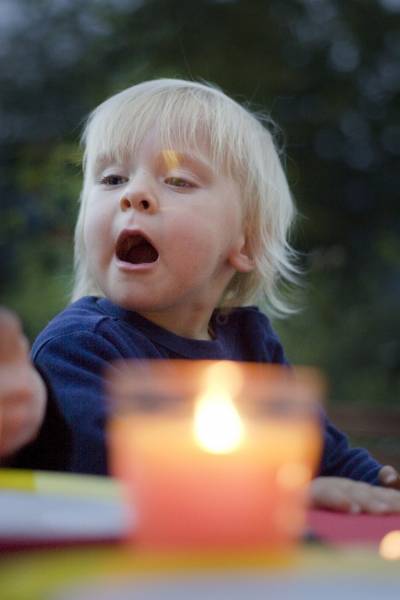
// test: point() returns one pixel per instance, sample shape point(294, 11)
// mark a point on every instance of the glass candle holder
point(214, 454)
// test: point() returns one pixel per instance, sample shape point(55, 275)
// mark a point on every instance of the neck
point(194, 325)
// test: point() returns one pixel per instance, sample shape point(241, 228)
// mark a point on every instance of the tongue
point(142, 253)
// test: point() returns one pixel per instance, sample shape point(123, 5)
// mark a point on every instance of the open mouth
point(135, 248)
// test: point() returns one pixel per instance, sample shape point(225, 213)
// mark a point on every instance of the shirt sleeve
point(339, 459)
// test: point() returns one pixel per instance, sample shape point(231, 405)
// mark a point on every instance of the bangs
point(187, 117)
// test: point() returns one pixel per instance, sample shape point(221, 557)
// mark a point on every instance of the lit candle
point(213, 454)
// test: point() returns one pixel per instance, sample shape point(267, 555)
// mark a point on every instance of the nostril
point(137, 203)
point(145, 204)
point(125, 204)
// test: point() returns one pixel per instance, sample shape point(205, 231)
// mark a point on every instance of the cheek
point(96, 233)
point(95, 220)
point(199, 241)
point(215, 230)
point(191, 231)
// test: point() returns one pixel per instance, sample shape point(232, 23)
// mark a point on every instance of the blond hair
point(239, 144)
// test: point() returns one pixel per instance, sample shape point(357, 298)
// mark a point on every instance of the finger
point(380, 500)
point(389, 477)
point(13, 344)
point(333, 497)
point(390, 497)
point(22, 407)
point(15, 383)
point(17, 427)
point(343, 504)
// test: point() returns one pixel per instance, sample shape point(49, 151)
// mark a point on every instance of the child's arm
point(347, 495)
point(22, 391)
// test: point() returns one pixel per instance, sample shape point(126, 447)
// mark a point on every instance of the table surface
point(93, 520)
point(341, 529)
point(40, 507)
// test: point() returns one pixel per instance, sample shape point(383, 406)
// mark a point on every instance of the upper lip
point(129, 238)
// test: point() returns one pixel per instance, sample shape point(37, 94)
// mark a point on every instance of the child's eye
point(179, 182)
point(113, 180)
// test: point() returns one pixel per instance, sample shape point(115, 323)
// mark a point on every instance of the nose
point(140, 198)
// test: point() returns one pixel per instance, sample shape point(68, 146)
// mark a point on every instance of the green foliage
point(37, 238)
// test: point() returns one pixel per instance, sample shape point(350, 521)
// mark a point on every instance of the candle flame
point(218, 428)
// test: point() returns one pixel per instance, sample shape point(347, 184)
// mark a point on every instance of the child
point(184, 216)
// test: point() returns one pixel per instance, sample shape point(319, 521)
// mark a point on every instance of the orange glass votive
point(214, 454)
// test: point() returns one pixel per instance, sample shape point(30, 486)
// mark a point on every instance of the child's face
point(163, 233)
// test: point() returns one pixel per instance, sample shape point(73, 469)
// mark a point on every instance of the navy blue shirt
point(74, 350)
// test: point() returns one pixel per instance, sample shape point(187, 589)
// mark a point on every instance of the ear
point(240, 258)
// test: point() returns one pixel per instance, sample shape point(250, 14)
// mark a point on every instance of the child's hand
point(347, 495)
point(22, 391)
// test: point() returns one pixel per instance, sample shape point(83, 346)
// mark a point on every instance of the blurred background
point(327, 71)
